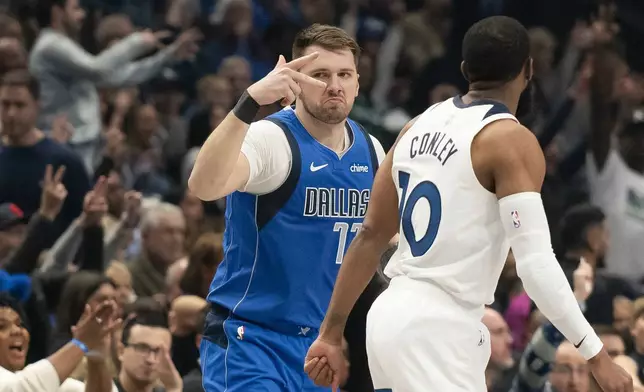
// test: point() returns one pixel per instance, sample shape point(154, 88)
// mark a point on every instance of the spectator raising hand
point(95, 203)
point(186, 44)
point(604, 27)
point(155, 39)
point(96, 324)
point(53, 193)
point(132, 209)
point(168, 374)
point(61, 129)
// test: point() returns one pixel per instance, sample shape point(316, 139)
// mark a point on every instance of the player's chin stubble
point(332, 114)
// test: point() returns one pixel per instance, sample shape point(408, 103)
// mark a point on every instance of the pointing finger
point(100, 188)
point(280, 62)
point(302, 78)
point(301, 61)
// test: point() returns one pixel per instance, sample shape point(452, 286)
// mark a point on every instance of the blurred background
point(123, 93)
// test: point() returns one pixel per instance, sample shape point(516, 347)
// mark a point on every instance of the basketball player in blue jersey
point(297, 186)
point(461, 185)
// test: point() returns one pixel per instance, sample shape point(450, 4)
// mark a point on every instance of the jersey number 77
point(429, 191)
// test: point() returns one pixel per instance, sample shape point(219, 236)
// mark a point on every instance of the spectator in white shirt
point(51, 374)
point(69, 75)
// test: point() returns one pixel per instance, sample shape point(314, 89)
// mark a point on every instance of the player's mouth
point(334, 100)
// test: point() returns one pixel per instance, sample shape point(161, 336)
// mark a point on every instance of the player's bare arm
point(508, 161)
point(221, 168)
point(360, 264)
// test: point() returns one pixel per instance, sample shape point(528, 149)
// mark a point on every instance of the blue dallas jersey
point(283, 250)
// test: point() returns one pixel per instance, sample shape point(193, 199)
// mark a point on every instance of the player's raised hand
point(284, 82)
point(326, 365)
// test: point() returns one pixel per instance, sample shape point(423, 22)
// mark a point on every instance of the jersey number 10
point(426, 190)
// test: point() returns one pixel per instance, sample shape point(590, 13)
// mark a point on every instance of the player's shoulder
point(265, 126)
point(506, 141)
point(410, 124)
point(266, 139)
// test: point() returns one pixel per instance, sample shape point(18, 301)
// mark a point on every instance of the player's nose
point(333, 85)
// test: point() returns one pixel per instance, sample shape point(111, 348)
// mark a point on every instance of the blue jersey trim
point(270, 204)
point(372, 150)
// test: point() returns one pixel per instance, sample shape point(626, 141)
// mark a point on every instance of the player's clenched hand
point(326, 365)
point(609, 375)
point(284, 82)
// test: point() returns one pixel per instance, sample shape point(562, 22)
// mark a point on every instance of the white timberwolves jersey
point(450, 231)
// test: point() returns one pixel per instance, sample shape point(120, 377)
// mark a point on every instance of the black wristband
point(246, 108)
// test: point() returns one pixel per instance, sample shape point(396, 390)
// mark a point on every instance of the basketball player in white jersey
point(461, 185)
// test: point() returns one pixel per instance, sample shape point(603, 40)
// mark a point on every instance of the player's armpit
point(507, 159)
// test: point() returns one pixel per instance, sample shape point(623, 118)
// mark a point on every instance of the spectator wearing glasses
point(144, 355)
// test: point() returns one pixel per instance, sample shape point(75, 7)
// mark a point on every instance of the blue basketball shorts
point(239, 356)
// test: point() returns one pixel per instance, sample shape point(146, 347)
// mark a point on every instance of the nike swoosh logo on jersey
point(580, 342)
point(316, 168)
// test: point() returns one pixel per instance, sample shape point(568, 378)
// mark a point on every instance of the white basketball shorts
point(419, 339)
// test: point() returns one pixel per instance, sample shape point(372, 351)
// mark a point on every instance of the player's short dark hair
point(154, 319)
point(575, 224)
point(22, 78)
point(326, 36)
point(495, 49)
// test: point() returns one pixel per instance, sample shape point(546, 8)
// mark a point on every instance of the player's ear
point(529, 69)
point(358, 85)
point(463, 71)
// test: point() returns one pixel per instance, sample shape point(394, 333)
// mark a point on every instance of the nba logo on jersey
point(515, 219)
point(240, 332)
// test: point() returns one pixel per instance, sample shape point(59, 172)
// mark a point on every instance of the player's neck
point(329, 135)
point(507, 97)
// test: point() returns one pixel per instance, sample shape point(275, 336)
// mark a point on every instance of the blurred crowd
point(104, 105)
